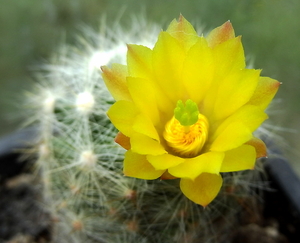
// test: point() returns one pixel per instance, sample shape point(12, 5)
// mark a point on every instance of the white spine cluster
point(81, 166)
point(85, 102)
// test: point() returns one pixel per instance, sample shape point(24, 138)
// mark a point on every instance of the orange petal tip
point(115, 80)
point(167, 176)
point(221, 34)
point(260, 147)
point(123, 140)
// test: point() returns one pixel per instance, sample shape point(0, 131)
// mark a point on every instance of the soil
point(22, 216)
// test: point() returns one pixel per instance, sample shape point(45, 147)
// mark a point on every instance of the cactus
point(81, 166)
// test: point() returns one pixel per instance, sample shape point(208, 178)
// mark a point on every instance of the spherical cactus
point(82, 167)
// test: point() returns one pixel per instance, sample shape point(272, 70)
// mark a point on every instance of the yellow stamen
point(186, 141)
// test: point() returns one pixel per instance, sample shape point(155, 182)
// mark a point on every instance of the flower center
point(187, 131)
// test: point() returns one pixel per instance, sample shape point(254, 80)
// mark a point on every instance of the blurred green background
point(32, 29)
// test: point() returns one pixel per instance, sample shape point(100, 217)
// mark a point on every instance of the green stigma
point(186, 114)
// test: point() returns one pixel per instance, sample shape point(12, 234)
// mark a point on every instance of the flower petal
point(249, 115)
point(139, 61)
point(144, 126)
point(136, 165)
point(168, 57)
point(241, 158)
point(234, 135)
point(198, 70)
point(145, 145)
point(203, 189)
point(122, 115)
point(164, 161)
point(143, 95)
point(115, 80)
point(260, 147)
point(221, 34)
point(123, 140)
point(229, 55)
point(183, 31)
point(265, 92)
point(235, 91)
point(208, 162)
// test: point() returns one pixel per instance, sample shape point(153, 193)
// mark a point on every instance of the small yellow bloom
point(188, 108)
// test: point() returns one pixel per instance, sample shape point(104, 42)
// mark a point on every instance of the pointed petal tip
point(276, 86)
point(227, 25)
point(104, 68)
point(115, 80)
point(183, 31)
point(221, 34)
point(181, 18)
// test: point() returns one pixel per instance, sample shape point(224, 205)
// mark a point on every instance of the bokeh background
point(31, 30)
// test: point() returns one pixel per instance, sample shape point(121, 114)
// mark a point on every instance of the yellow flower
point(188, 108)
